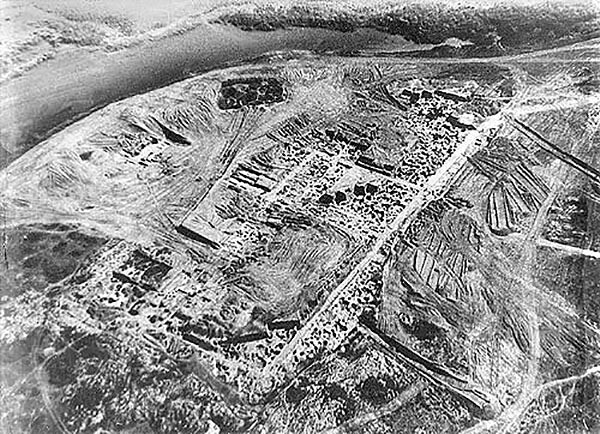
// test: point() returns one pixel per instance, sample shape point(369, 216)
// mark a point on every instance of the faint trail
point(595, 370)
point(570, 250)
point(535, 393)
point(566, 104)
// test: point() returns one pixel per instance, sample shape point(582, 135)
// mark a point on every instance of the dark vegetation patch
point(151, 271)
point(171, 135)
point(295, 394)
point(242, 92)
point(35, 256)
point(425, 330)
point(98, 382)
point(378, 390)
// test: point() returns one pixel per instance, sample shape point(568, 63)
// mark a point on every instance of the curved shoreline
point(64, 89)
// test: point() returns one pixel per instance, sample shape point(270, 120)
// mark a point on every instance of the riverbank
point(64, 89)
point(78, 79)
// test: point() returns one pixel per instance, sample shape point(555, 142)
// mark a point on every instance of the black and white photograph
point(299, 217)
